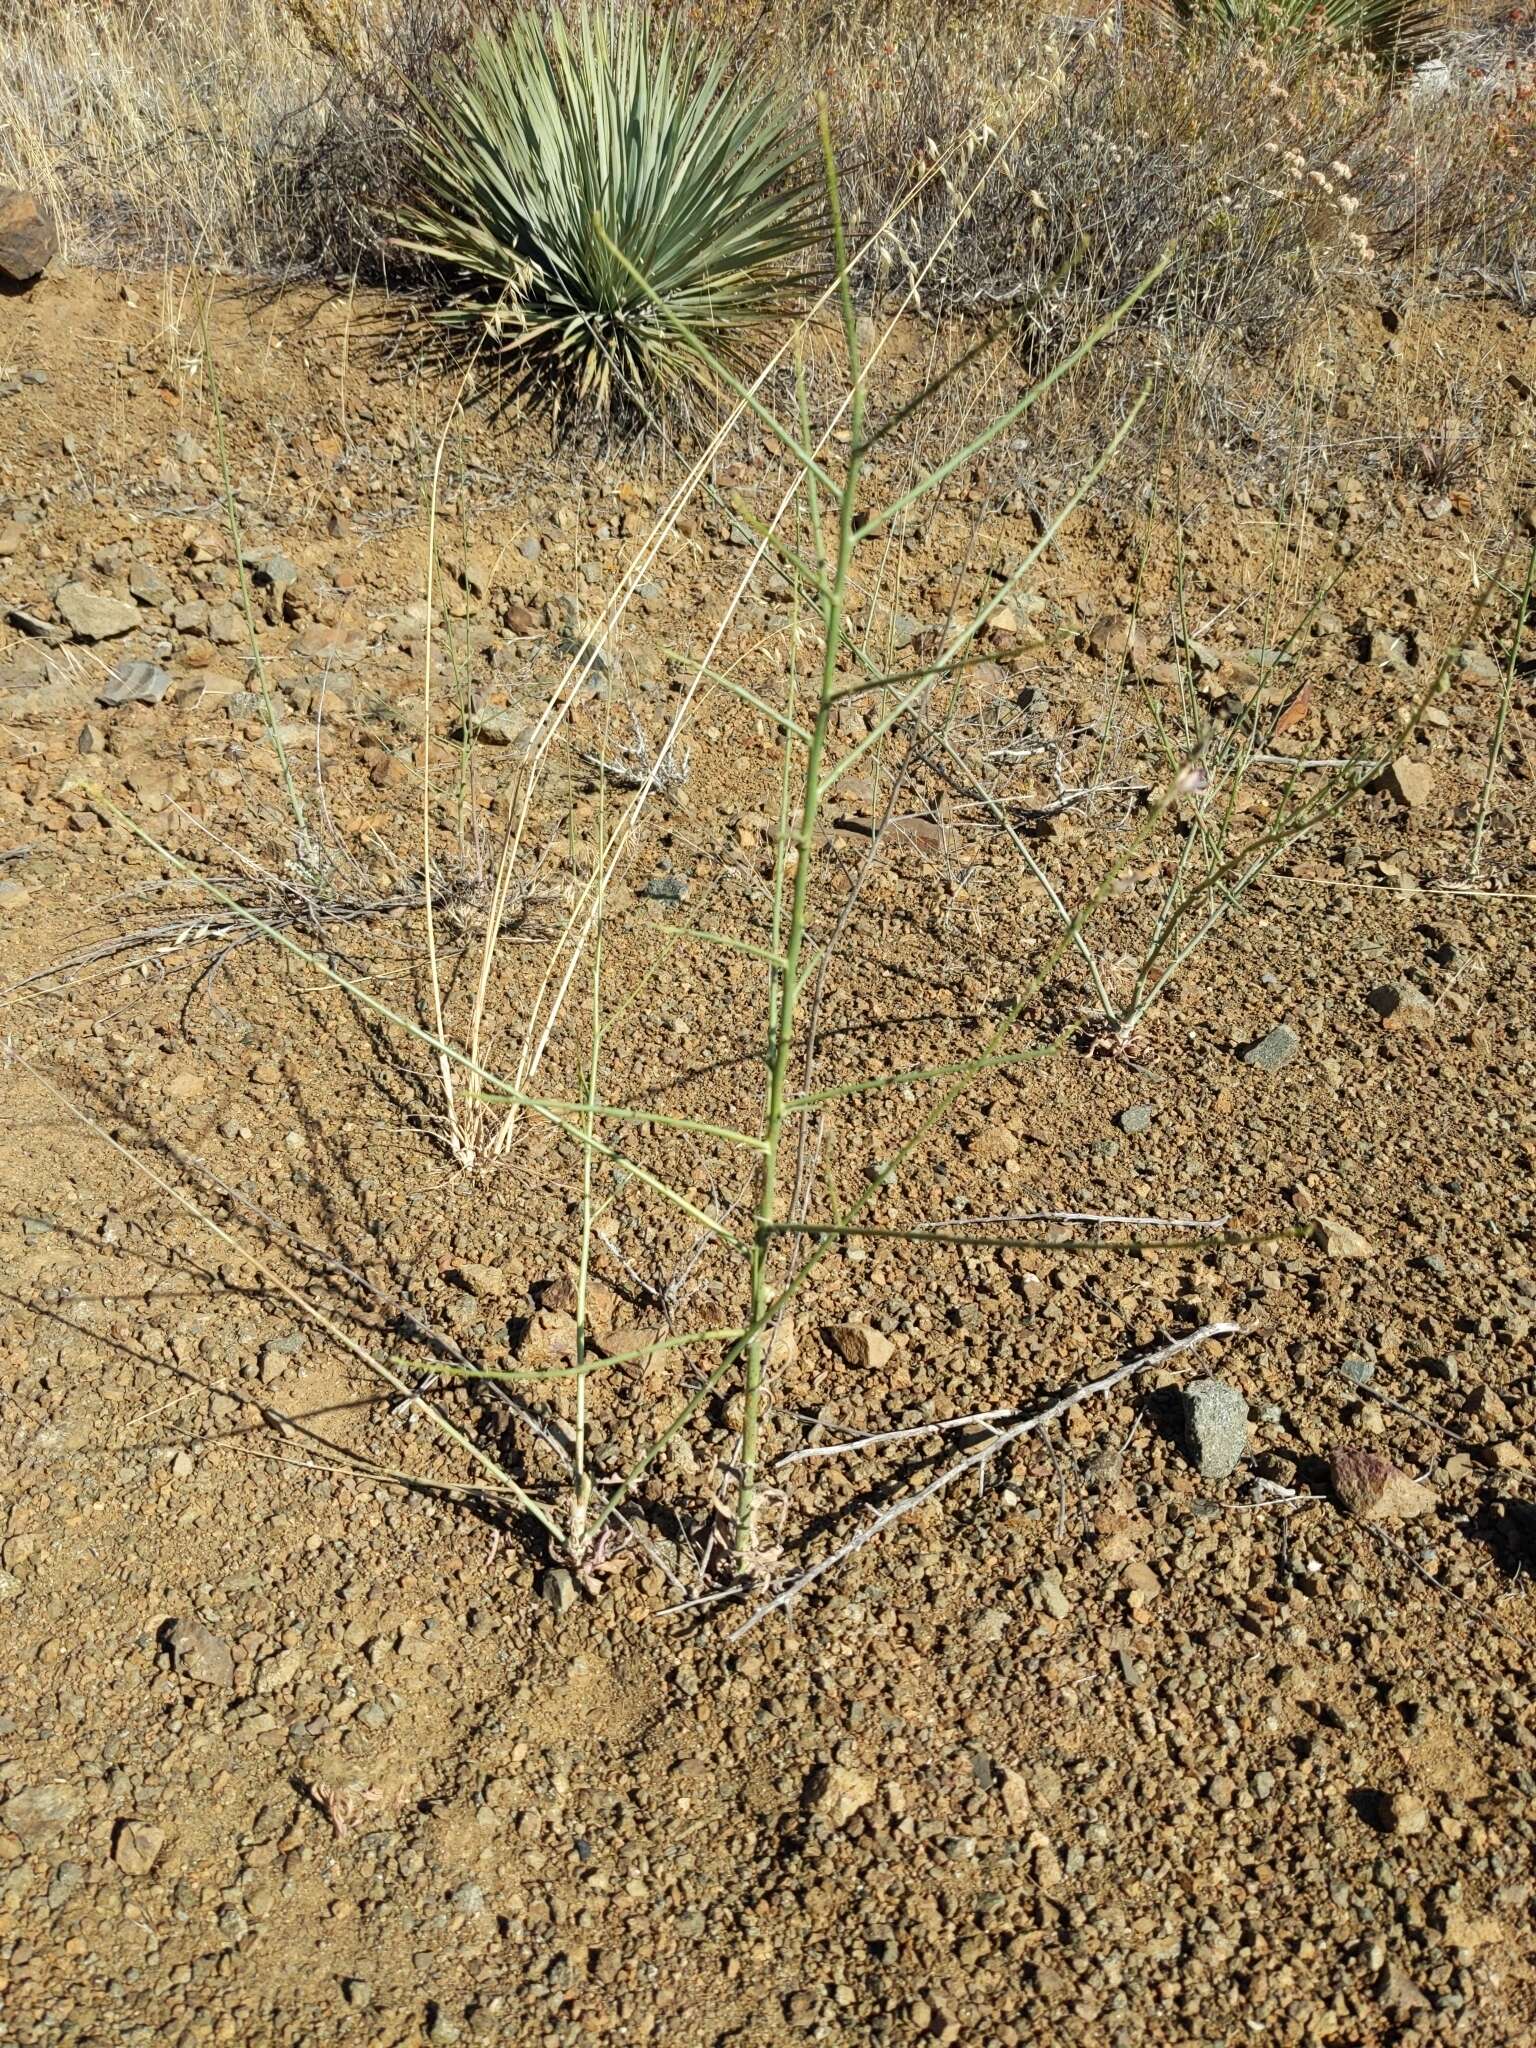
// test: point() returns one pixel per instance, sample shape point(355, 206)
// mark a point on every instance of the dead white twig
point(1022, 1216)
point(972, 1459)
point(897, 1436)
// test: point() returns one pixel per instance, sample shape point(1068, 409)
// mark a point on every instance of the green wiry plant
point(590, 1401)
point(563, 161)
point(1394, 30)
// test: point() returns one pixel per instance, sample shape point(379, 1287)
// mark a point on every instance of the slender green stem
point(785, 985)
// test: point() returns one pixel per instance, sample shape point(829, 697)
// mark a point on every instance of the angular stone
point(558, 1590)
point(1404, 1814)
point(549, 1338)
point(275, 569)
point(472, 573)
point(136, 1847)
point(1468, 1931)
point(1016, 1800)
point(483, 1281)
point(51, 634)
point(1402, 1007)
point(329, 643)
point(859, 1345)
point(1397, 1993)
point(41, 1812)
point(1276, 1049)
point(28, 238)
point(505, 727)
point(1408, 782)
point(150, 587)
point(92, 615)
point(1368, 1486)
point(1215, 1427)
point(837, 1792)
point(134, 682)
point(1050, 1596)
point(200, 1655)
point(1339, 1241)
point(1478, 667)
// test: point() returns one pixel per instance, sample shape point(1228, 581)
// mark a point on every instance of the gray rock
point(46, 630)
point(67, 1880)
point(92, 615)
point(1340, 1240)
point(1478, 667)
point(41, 1812)
point(505, 727)
point(150, 587)
point(1215, 1426)
point(1135, 1121)
point(275, 569)
point(558, 1589)
point(1276, 1049)
point(134, 682)
point(531, 548)
point(28, 669)
point(1361, 1371)
point(1051, 1596)
point(200, 1655)
point(666, 889)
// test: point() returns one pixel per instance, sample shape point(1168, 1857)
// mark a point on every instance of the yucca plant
point(1396, 31)
point(570, 155)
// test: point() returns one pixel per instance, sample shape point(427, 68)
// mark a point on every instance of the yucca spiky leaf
point(553, 148)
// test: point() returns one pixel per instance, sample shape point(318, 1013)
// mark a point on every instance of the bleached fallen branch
point(1003, 1437)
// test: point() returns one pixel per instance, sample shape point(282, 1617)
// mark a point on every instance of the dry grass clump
point(251, 135)
point(1024, 170)
point(264, 134)
point(158, 133)
point(1279, 171)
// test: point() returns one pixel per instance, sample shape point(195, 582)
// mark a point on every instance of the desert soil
point(1096, 1748)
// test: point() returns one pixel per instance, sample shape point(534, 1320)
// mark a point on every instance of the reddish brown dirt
point(1094, 1750)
